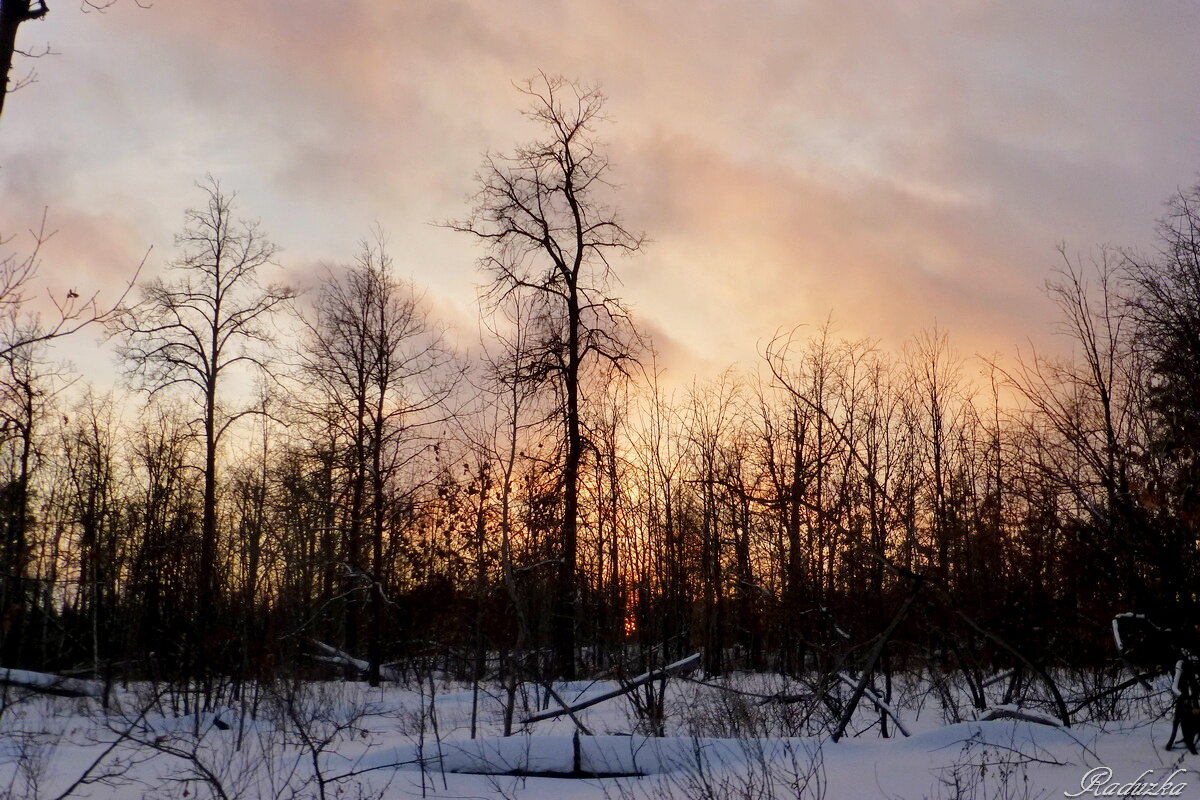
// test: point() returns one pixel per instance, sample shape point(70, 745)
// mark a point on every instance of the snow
point(382, 743)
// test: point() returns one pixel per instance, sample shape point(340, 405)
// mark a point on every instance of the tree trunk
point(564, 612)
point(208, 526)
point(354, 534)
point(12, 14)
point(375, 646)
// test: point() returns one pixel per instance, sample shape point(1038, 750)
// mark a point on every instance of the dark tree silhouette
point(1165, 302)
point(374, 363)
point(550, 234)
point(192, 333)
point(13, 14)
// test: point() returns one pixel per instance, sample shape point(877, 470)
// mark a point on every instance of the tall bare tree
point(196, 332)
point(542, 213)
point(375, 362)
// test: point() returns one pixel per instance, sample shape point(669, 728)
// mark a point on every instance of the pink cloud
point(894, 163)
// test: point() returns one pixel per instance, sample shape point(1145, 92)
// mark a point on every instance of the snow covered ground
point(344, 740)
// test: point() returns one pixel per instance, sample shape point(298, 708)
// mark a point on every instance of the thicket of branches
point(374, 491)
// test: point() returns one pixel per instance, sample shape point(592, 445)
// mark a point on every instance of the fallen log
point(46, 683)
point(682, 665)
point(1002, 712)
point(334, 656)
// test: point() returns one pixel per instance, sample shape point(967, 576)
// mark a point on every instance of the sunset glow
point(891, 164)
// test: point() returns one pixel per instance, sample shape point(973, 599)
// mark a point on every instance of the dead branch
point(683, 665)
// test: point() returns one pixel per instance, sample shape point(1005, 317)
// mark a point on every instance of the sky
point(894, 165)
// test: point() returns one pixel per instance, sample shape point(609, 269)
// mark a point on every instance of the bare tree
point(375, 362)
point(194, 333)
point(550, 235)
point(1089, 408)
point(935, 374)
point(507, 414)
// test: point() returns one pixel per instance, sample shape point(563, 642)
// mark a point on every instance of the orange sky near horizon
point(896, 165)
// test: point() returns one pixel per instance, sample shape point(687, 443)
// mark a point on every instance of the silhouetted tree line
point(325, 467)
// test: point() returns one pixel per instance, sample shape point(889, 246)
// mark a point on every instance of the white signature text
point(1098, 782)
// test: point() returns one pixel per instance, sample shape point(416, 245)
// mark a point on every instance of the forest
point(327, 468)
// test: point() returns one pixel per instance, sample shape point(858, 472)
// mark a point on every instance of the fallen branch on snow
point(879, 702)
point(682, 665)
point(1008, 712)
point(46, 683)
point(331, 655)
